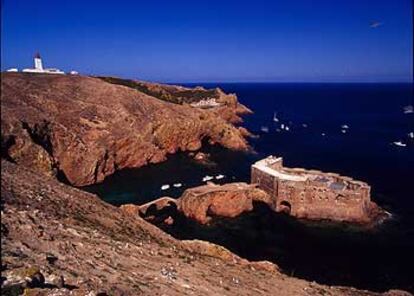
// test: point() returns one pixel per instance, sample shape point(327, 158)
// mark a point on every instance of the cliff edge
point(83, 128)
point(58, 240)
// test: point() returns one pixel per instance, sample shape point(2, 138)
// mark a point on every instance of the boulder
point(228, 200)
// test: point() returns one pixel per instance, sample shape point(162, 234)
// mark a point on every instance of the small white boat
point(207, 178)
point(218, 177)
point(264, 129)
point(304, 125)
point(343, 131)
point(323, 134)
point(282, 126)
point(411, 135)
point(275, 119)
point(408, 109)
point(399, 143)
point(177, 185)
point(165, 187)
point(345, 126)
point(286, 128)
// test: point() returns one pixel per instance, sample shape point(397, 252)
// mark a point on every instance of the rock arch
point(285, 207)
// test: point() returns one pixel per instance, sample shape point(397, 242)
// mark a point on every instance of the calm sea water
point(376, 259)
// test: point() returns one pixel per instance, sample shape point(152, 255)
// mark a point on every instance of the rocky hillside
point(84, 128)
point(170, 93)
point(58, 240)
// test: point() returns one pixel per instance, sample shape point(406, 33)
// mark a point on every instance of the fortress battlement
point(312, 194)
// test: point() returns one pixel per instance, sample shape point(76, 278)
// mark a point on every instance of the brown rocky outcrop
point(58, 240)
point(150, 208)
point(85, 128)
point(228, 200)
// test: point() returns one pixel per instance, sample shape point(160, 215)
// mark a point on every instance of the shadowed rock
point(102, 250)
point(84, 128)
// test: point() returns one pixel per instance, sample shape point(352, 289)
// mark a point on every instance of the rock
point(394, 292)
point(105, 126)
point(203, 158)
point(103, 249)
point(51, 259)
point(21, 278)
point(228, 200)
point(56, 280)
point(209, 249)
point(130, 209)
point(246, 133)
point(200, 156)
point(264, 265)
point(158, 206)
point(169, 221)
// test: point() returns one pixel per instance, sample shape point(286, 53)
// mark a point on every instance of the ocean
point(344, 128)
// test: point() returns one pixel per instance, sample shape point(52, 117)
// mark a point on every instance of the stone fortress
point(313, 194)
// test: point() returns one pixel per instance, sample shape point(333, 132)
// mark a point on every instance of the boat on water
point(284, 127)
point(345, 126)
point(304, 125)
point(218, 177)
point(207, 178)
point(399, 143)
point(264, 129)
point(411, 135)
point(408, 109)
point(343, 131)
point(165, 187)
point(275, 119)
point(177, 185)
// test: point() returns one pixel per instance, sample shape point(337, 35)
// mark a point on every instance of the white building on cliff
point(38, 67)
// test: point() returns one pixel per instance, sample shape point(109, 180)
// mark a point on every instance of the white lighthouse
point(38, 67)
point(38, 62)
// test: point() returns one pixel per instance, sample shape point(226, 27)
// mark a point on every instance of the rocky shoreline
point(84, 129)
point(203, 203)
point(59, 240)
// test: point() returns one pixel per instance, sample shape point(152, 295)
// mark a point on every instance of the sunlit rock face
point(228, 200)
point(85, 128)
point(58, 240)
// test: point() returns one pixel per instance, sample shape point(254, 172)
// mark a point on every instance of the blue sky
point(214, 41)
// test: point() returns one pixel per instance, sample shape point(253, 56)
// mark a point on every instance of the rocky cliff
point(84, 128)
point(58, 240)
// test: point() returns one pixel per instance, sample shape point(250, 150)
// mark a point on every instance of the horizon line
point(167, 81)
point(290, 82)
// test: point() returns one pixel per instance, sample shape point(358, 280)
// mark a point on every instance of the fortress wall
point(307, 198)
point(324, 203)
point(292, 192)
point(265, 182)
point(277, 165)
point(299, 171)
point(313, 200)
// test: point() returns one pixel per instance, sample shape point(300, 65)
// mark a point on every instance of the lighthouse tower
point(38, 62)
